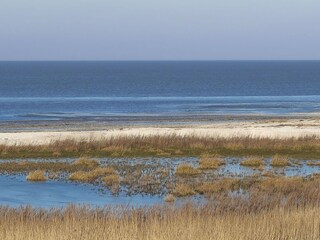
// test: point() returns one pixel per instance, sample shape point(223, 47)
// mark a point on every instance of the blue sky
point(159, 30)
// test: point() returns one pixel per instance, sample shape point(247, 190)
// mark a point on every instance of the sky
point(159, 30)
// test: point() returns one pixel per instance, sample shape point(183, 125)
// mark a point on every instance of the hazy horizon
point(165, 30)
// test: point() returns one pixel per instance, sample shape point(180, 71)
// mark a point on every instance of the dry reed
point(211, 162)
point(159, 223)
point(37, 176)
point(186, 170)
point(280, 161)
point(112, 180)
point(168, 146)
point(253, 162)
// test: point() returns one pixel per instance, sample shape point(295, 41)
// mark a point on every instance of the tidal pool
point(17, 191)
point(142, 181)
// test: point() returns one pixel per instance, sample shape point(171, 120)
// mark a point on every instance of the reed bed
point(308, 147)
point(187, 222)
point(25, 166)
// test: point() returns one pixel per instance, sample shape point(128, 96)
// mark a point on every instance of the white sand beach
point(279, 129)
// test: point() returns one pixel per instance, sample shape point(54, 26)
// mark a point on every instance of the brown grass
point(37, 176)
point(159, 223)
point(271, 208)
point(82, 176)
point(91, 176)
point(86, 162)
point(313, 163)
point(211, 162)
point(26, 166)
point(102, 171)
point(253, 162)
point(280, 161)
point(170, 198)
point(186, 170)
point(227, 184)
point(112, 180)
point(308, 147)
point(183, 190)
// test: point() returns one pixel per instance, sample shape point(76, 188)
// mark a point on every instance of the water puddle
point(16, 191)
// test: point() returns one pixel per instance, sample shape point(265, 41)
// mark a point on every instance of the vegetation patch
point(218, 186)
point(213, 162)
point(169, 198)
point(313, 163)
point(280, 161)
point(185, 170)
point(37, 176)
point(112, 180)
point(233, 220)
point(253, 162)
point(183, 190)
point(86, 162)
point(141, 146)
point(82, 176)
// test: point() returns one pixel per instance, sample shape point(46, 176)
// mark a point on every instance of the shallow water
point(17, 191)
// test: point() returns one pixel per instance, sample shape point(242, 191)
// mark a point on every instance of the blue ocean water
point(58, 90)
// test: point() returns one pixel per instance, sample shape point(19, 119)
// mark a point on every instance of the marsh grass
point(313, 163)
point(91, 176)
point(112, 180)
point(226, 184)
point(280, 161)
point(37, 176)
point(235, 209)
point(307, 147)
point(187, 222)
point(27, 166)
point(102, 171)
point(81, 176)
point(253, 162)
point(186, 170)
point(211, 162)
point(86, 162)
point(183, 190)
point(169, 198)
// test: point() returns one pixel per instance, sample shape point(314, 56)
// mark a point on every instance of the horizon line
point(176, 60)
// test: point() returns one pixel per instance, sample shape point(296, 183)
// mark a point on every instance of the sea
point(93, 90)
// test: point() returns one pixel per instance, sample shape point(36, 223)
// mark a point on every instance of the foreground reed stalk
point(159, 223)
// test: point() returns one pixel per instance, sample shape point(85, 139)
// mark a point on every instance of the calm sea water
point(58, 90)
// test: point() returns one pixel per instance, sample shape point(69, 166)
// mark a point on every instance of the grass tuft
point(213, 162)
point(313, 163)
point(82, 176)
point(85, 162)
point(186, 170)
point(170, 198)
point(280, 161)
point(37, 176)
point(253, 162)
point(103, 171)
point(183, 190)
point(112, 180)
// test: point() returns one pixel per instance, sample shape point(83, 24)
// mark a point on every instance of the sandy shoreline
point(279, 129)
